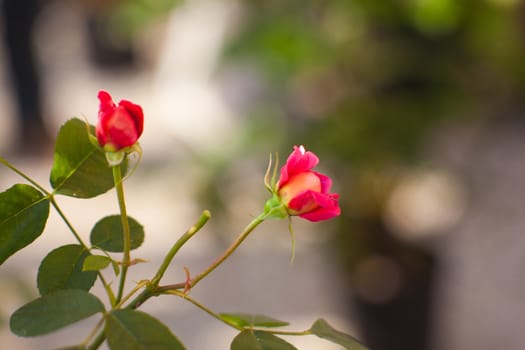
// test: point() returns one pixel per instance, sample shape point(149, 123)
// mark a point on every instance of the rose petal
point(326, 182)
point(299, 161)
point(299, 183)
point(328, 208)
point(136, 113)
point(303, 203)
point(107, 105)
point(121, 129)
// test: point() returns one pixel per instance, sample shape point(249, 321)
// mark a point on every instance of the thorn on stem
point(187, 285)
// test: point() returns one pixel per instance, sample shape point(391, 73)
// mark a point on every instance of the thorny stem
point(203, 219)
point(151, 289)
point(249, 228)
point(101, 336)
point(94, 331)
point(117, 178)
point(148, 293)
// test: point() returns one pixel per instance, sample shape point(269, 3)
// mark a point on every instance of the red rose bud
point(303, 192)
point(119, 126)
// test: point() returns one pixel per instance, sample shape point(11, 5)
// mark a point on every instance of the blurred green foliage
point(368, 80)
point(365, 84)
point(129, 17)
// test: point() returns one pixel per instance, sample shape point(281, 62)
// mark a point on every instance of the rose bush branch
point(203, 219)
point(126, 235)
point(87, 164)
point(249, 229)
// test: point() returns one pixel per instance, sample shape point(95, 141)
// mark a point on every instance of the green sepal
point(270, 177)
point(274, 208)
point(115, 158)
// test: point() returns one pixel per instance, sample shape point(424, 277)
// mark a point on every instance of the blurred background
point(414, 107)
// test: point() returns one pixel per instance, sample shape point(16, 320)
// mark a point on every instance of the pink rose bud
point(119, 126)
point(305, 192)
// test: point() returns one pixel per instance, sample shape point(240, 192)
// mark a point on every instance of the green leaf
point(256, 340)
point(96, 263)
point(54, 311)
point(249, 320)
point(107, 234)
point(136, 330)
point(23, 215)
point(322, 329)
point(62, 269)
point(116, 268)
point(80, 169)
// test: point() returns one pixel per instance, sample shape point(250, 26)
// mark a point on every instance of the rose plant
point(91, 160)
